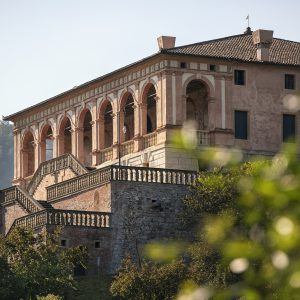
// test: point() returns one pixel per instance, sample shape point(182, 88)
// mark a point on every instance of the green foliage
point(49, 297)
point(151, 281)
point(37, 263)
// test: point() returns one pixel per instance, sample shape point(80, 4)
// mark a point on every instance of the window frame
point(285, 82)
point(235, 77)
point(247, 124)
point(289, 138)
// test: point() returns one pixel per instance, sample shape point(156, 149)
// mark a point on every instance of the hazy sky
point(50, 46)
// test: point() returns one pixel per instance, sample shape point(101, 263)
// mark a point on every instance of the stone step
point(45, 204)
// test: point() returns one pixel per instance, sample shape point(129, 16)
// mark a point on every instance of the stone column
point(59, 141)
point(95, 145)
point(116, 135)
point(101, 132)
point(17, 154)
point(79, 143)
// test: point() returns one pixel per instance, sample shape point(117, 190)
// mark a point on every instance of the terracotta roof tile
point(241, 47)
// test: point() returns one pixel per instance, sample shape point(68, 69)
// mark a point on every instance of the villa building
point(98, 158)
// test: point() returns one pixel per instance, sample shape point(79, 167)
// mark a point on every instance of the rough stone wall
point(62, 175)
point(9, 214)
point(143, 212)
point(97, 199)
point(99, 258)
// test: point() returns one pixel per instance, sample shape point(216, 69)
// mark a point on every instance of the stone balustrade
point(149, 140)
point(203, 138)
point(16, 193)
point(64, 218)
point(127, 148)
point(54, 165)
point(106, 155)
point(119, 173)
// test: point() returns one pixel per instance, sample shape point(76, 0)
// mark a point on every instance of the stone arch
point(28, 153)
point(127, 104)
point(106, 124)
point(65, 136)
point(46, 142)
point(205, 80)
point(85, 136)
point(149, 109)
point(196, 104)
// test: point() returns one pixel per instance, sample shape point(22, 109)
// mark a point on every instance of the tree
point(247, 243)
point(37, 264)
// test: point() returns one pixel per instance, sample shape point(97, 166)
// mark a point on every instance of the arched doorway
point(46, 143)
point(28, 156)
point(197, 104)
point(65, 137)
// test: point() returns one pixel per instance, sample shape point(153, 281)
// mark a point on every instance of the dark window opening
point(63, 243)
point(289, 128)
point(149, 125)
point(97, 244)
point(182, 65)
point(289, 81)
point(239, 77)
point(241, 125)
point(213, 68)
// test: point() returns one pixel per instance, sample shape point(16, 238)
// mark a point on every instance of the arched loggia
point(85, 137)
point(46, 143)
point(108, 126)
point(149, 117)
point(127, 118)
point(65, 137)
point(28, 156)
point(197, 104)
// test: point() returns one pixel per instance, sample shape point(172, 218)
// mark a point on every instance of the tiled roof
point(241, 47)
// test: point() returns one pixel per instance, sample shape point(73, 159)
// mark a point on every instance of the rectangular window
point(63, 243)
point(289, 128)
point(289, 81)
point(239, 77)
point(241, 125)
point(213, 68)
point(97, 244)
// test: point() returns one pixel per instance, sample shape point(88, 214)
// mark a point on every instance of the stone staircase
point(53, 165)
point(45, 204)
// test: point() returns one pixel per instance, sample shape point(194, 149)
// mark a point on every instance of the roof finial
point(248, 30)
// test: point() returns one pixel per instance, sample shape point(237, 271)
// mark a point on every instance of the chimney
point(166, 42)
point(262, 39)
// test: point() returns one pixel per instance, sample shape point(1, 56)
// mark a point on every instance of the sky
point(50, 46)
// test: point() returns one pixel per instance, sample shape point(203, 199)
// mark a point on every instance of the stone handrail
point(153, 175)
point(64, 217)
point(127, 148)
point(203, 138)
point(149, 140)
point(16, 193)
point(79, 183)
point(106, 155)
point(119, 173)
point(53, 165)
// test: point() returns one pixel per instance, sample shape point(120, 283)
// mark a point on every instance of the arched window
point(197, 93)
point(65, 137)
point(46, 143)
point(127, 130)
point(151, 109)
point(28, 154)
point(108, 126)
